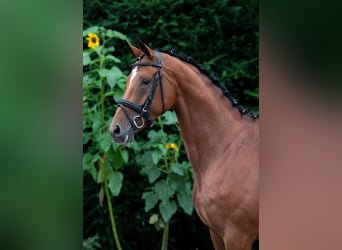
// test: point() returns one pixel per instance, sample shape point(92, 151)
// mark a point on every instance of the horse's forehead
point(145, 71)
point(133, 74)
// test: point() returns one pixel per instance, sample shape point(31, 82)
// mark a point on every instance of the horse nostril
point(116, 130)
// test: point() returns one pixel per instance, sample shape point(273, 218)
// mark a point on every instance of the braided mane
point(214, 80)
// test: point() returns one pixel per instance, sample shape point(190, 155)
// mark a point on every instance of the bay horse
point(221, 139)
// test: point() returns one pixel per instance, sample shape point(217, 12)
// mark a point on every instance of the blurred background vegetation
point(148, 182)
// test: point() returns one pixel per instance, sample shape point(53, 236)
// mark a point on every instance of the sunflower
point(171, 146)
point(93, 40)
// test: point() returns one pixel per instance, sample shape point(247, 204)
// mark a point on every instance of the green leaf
point(115, 157)
point(105, 142)
point(86, 58)
point(124, 155)
point(91, 243)
point(112, 76)
point(170, 118)
point(113, 58)
point(109, 33)
point(122, 83)
point(98, 83)
point(159, 136)
point(103, 72)
point(88, 164)
point(86, 137)
point(107, 50)
point(236, 8)
point(185, 202)
point(164, 190)
point(117, 96)
point(156, 156)
point(152, 173)
point(116, 34)
point(87, 80)
point(167, 209)
point(177, 169)
point(162, 149)
point(115, 183)
point(104, 172)
point(93, 29)
point(98, 50)
point(145, 159)
point(181, 183)
point(95, 120)
point(151, 199)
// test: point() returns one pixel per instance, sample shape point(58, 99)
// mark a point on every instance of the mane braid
point(214, 80)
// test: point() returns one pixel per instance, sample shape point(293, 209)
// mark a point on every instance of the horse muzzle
point(122, 135)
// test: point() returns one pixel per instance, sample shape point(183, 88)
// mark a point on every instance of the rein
point(138, 121)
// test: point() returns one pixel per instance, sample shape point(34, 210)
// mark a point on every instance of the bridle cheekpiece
point(138, 121)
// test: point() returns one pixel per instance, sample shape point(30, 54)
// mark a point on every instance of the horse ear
point(134, 50)
point(147, 51)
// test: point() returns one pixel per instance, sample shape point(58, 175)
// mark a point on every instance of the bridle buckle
point(136, 121)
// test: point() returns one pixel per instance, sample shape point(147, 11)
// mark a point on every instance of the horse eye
point(146, 81)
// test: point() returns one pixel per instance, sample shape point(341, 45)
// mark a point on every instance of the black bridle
point(138, 120)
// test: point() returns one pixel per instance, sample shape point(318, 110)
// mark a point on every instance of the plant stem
point(161, 123)
point(165, 239)
point(165, 236)
point(111, 215)
point(102, 97)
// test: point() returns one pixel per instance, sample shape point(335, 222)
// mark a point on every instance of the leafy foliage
point(171, 179)
point(101, 80)
point(91, 243)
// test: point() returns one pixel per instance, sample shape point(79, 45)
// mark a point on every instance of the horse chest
point(210, 204)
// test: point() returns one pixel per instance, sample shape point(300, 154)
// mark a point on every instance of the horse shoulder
point(228, 192)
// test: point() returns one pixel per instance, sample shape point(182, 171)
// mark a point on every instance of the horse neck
point(208, 121)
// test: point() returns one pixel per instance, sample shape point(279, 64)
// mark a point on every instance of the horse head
point(149, 93)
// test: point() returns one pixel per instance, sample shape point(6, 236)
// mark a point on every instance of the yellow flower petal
point(93, 40)
point(172, 146)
